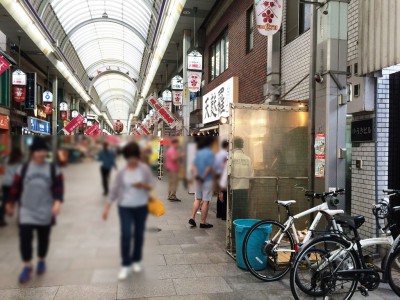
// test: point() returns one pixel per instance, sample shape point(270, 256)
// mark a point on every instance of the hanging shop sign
point(4, 122)
point(362, 131)
point(4, 65)
point(167, 96)
point(64, 115)
point(144, 128)
point(135, 131)
point(19, 93)
point(194, 81)
point(18, 78)
point(320, 146)
point(118, 127)
point(63, 106)
point(48, 108)
point(47, 97)
point(177, 98)
point(97, 132)
point(177, 83)
point(74, 113)
point(217, 102)
point(74, 124)
point(268, 16)
point(92, 129)
point(38, 126)
point(195, 61)
point(168, 105)
point(39, 112)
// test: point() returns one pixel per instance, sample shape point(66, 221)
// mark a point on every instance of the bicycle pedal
point(363, 290)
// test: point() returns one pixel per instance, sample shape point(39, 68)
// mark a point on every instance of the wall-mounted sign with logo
point(63, 106)
point(74, 113)
point(4, 122)
point(38, 126)
point(362, 131)
point(177, 83)
point(194, 81)
point(268, 16)
point(19, 93)
point(167, 96)
point(195, 61)
point(47, 96)
point(18, 78)
point(216, 103)
point(177, 97)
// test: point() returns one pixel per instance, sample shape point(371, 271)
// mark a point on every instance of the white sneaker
point(124, 273)
point(137, 268)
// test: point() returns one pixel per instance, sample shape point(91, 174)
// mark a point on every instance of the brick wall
point(352, 30)
point(249, 67)
point(295, 65)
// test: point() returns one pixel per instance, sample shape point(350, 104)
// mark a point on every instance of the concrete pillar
point(272, 88)
point(186, 95)
point(330, 115)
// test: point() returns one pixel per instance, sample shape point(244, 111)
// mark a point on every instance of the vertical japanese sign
point(319, 146)
point(92, 129)
point(216, 103)
point(268, 16)
point(177, 90)
point(164, 113)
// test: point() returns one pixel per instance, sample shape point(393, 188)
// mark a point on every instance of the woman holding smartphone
point(131, 190)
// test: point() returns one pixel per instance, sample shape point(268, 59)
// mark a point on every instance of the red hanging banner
point(97, 132)
point(144, 128)
point(48, 108)
point(4, 65)
point(74, 124)
point(164, 113)
point(19, 93)
point(92, 129)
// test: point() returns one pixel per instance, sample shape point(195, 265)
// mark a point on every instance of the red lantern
point(118, 127)
point(19, 93)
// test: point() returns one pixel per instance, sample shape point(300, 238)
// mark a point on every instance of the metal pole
point(54, 117)
point(311, 104)
point(186, 95)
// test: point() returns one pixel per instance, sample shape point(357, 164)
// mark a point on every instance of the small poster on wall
point(320, 142)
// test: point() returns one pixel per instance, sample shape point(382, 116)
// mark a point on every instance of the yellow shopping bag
point(156, 207)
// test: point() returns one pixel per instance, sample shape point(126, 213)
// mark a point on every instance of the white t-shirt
point(131, 196)
point(241, 167)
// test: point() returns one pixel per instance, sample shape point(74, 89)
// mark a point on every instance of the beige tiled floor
point(180, 262)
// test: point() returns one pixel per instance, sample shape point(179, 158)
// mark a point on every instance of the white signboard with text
point(216, 103)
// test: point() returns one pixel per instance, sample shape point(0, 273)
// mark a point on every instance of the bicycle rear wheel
point(316, 270)
point(268, 250)
point(393, 269)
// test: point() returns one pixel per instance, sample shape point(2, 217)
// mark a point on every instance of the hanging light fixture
point(105, 15)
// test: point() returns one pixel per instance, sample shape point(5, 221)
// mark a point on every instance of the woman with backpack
point(38, 189)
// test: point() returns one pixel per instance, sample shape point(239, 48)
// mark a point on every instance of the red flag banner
point(74, 124)
point(92, 129)
point(164, 113)
point(144, 128)
point(4, 65)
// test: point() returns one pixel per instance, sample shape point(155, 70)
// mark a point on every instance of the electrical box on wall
point(362, 90)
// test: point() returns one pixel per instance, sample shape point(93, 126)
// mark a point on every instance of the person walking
point(203, 172)
point(131, 190)
point(38, 188)
point(108, 161)
point(12, 166)
point(220, 161)
point(172, 165)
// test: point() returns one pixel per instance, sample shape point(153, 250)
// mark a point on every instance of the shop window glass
point(219, 56)
point(298, 17)
point(5, 89)
point(250, 29)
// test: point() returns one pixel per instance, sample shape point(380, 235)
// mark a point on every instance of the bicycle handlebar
point(322, 196)
point(391, 192)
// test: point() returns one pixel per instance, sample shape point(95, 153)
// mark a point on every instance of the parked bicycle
point(333, 266)
point(276, 243)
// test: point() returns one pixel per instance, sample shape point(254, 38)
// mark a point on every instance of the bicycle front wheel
point(393, 269)
point(317, 270)
point(268, 250)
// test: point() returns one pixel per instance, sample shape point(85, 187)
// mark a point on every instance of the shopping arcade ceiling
point(106, 35)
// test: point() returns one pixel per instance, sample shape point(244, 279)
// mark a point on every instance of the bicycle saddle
point(353, 222)
point(286, 203)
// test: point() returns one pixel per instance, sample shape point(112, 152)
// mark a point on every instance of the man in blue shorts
point(203, 172)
